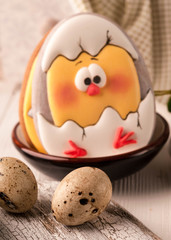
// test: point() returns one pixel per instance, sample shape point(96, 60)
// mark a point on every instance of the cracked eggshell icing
point(90, 92)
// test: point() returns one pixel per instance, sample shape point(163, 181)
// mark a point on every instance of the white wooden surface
point(146, 194)
point(115, 223)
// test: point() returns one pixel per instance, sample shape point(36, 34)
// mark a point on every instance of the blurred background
point(23, 23)
point(148, 23)
point(22, 26)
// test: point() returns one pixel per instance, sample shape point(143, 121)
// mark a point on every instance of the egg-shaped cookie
point(89, 91)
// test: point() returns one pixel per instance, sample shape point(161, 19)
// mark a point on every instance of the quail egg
point(18, 186)
point(81, 196)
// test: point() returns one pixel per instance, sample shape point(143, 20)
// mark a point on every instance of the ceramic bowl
point(115, 166)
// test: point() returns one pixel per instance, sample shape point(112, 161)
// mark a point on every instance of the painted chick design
point(91, 95)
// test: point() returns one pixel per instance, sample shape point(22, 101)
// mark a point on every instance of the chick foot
point(76, 151)
point(120, 141)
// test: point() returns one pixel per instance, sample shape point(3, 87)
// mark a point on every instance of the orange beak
point(93, 90)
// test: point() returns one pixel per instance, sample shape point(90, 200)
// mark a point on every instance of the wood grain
point(146, 194)
point(114, 223)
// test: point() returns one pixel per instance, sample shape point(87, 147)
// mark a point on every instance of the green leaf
point(169, 105)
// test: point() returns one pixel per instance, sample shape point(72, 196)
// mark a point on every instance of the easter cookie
point(25, 106)
point(91, 93)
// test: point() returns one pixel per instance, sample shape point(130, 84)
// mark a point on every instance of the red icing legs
point(120, 141)
point(76, 151)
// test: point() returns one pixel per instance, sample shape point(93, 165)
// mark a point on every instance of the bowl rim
point(159, 142)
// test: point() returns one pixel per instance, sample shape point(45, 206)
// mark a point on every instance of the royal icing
point(98, 140)
point(70, 97)
point(28, 115)
point(91, 94)
point(93, 75)
point(84, 32)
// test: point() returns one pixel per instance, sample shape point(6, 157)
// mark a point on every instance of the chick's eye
point(97, 74)
point(97, 79)
point(83, 79)
point(87, 81)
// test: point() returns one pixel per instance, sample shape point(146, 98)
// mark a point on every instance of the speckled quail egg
point(18, 186)
point(81, 196)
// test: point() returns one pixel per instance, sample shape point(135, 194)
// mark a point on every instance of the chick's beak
point(93, 90)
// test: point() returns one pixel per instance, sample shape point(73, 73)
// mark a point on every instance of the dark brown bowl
point(115, 166)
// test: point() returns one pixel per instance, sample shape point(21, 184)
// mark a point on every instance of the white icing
point(96, 70)
point(98, 139)
point(30, 113)
point(89, 72)
point(86, 32)
point(81, 75)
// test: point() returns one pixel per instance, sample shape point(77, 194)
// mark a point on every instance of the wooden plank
point(8, 92)
point(114, 223)
point(146, 194)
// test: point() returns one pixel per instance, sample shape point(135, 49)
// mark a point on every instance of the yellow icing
point(121, 92)
point(29, 124)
